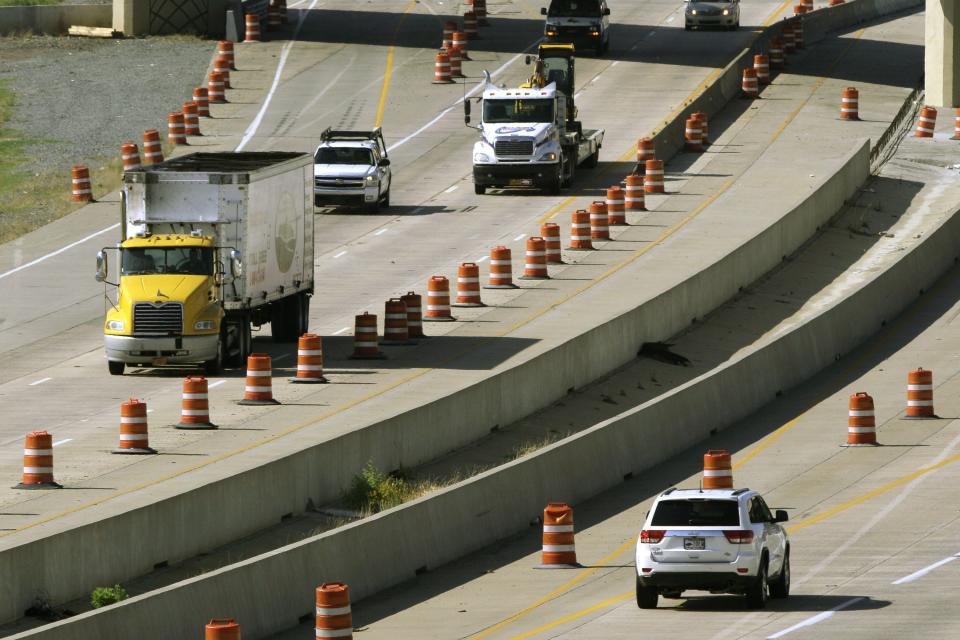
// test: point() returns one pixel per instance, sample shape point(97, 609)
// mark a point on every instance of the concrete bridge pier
point(942, 53)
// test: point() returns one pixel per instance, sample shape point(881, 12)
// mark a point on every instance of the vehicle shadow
point(795, 603)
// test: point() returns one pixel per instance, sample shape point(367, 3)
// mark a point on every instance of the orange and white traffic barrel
point(258, 388)
point(807, 5)
point(456, 71)
point(80, 184)
point(926, 123)
point(414, 306)
point(282, 5)
point(221, 65)
point(501, 269)
point(366, 342)
point(920, 394)
point(447, 40)
point(749, 84)
point(216, 93)
point(701, 117)
point(438, 300)
point(468, 286)
point(789, 40)
point(559, 549)
point(441, 68)
point(550, 232)
point(646, 150)
point(861, 422)
point(580, 237)
point(274, 19)
point(225, 50)
point(653, 177)
point(717, 469)
point(133, 428)
point(191, 121)
point(849, 104)
point(535, 260)
point(309, 360)
point(202, 99)
point(195, 404)
point(776, 53)
point(334, 617)
point(799, 9)
point(835, 3)
point(130, 155)
point(460, 42)
point(798, 32)
point(152, 147)
point(175, 129)
point(221, 629)
point(480, 8)
point(252, 33)
point(633, 199)
point(38, 462)
point(692, 135)
point(616, 206)
point(395, 331)
point(956, 125)
point(599, 222)
point(761, 64)
point(470, 25)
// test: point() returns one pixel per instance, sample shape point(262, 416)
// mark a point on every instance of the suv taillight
point(739, 536)
point(651, 536)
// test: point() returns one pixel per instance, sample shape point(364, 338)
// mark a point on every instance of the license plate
point(694, 544)
point(520, 182)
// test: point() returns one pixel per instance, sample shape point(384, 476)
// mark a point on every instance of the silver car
point(722, 13)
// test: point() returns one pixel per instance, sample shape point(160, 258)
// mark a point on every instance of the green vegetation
point(102, 596)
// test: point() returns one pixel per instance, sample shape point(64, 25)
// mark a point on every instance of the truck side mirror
point(236, 264)
point(101, 266)
point(466, 111)
point(385, 162)
point(543, 11)
point(606, 11)
point(527, 59)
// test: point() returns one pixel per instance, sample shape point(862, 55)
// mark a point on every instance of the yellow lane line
point(573, 616)
point(556, 209)
point(382, 104)
point(767, 441)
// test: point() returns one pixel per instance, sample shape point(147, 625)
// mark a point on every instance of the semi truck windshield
point(197, 261)
point(502, 111)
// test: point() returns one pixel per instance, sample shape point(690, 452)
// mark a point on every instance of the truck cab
point(583, 23)
point(352, 168)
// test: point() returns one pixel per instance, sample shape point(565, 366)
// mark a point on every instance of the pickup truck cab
point(582, 23)
point(352, 168)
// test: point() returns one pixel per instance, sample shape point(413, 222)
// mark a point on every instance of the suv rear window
point(709, 513)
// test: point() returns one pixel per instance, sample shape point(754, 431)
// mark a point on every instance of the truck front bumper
point(579, 38)
point(349, 196)
point(166, 350)
point(513, 175)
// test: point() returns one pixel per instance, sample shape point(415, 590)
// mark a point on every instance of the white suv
point(716, 540)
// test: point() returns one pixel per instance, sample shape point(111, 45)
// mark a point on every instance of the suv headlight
point(550, 156)
point(115, 325)
point(372, 178)
point(481, 157)
point(726, 12)
point(204, 325)
point(693, 12)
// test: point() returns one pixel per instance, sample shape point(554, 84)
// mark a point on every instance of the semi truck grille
point(337, 183)
point(148, 320)
point(513, 148)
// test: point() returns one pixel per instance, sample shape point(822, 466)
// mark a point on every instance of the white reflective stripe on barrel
point(258, 389)
point(310, 367)
point(338, 611)
point(861, 414)
point(919, 403)
point(133, 420)
point(132, 436)
point(195, 396)
point(334, 633)
point(558, 528)
point(559, 547)
point(251, 373)
point(919, 387)
point(38, 452)
point(309, 352)
point(717, 473)
point(861, 430)
point(38, 469)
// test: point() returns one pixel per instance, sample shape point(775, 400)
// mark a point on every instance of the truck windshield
point(344, 155)
point(536, 110)
point(197, 261)
point(707, 513)
point(574, 9)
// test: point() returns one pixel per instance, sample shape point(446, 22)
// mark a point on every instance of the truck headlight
point(481, 157)
point(204, 325)
point(594, 33)
point(693, 12)
point(726, 12)
point(115, 325)
point(549, 157)
point(551, 32)
point(371, 179)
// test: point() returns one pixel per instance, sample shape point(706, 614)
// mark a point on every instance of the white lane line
point(339, 331)
point(339, 254)
point(922, 572)
point(284, 54)
point(58, 251)
point(40, 381)
point(649, 34)
point(481, 259)
point(151, 410)
point(615, 63)
point(670, 19)
point(281, 357)
point(520, 237)
point(64, 441)
point(215, 384)
point(451, 189)
point(379, 232)
point(820, 617)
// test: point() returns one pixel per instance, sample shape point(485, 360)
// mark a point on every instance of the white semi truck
point(210, 244)
point(529, 136)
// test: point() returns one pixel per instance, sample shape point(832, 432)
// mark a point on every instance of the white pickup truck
point(352, 168)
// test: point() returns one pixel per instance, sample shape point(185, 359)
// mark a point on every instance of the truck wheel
point(215, 366)
point(284, 316)
point(238, 341)
point(386, 199)
point(116, 367)
point(373, 207)
point(304, 324)
point(479, 189)
point(592, 160)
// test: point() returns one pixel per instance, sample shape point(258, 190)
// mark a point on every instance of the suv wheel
point(646, 596)
point(759, 592)
point(780, 588)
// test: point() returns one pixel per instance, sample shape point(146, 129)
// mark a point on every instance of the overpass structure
point(725, 249)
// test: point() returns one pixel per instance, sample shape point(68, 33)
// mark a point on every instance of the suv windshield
point(574, 9)
point(538, 110)
point(344, 155)
point(196, 261)
point(710, 513)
